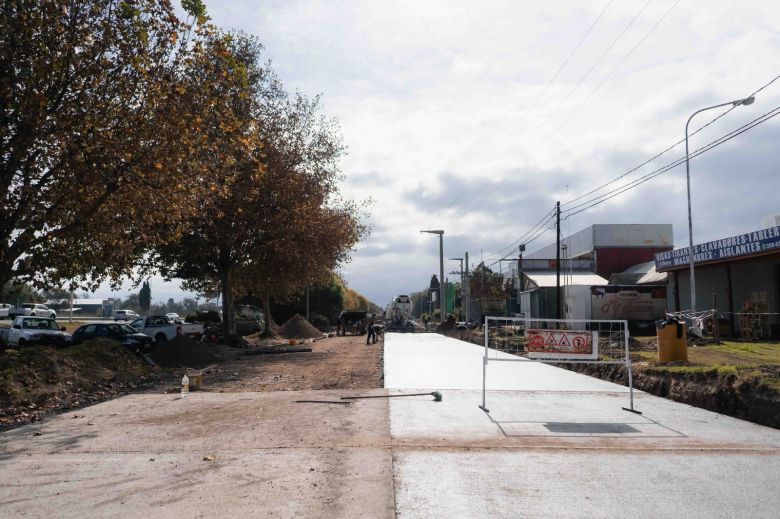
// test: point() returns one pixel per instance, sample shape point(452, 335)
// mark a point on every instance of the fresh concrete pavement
point(555, 444)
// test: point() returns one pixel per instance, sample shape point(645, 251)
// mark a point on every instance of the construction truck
point(398, 315)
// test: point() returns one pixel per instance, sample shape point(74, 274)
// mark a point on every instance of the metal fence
point(556, 341)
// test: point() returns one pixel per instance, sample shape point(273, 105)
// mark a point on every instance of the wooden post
point(715, 318)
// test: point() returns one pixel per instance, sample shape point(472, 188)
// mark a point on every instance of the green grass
point(745, 360)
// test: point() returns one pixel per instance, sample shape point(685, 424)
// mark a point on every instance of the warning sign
point(562, 344)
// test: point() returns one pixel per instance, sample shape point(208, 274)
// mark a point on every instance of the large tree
point(94, 128)
point(276, 226)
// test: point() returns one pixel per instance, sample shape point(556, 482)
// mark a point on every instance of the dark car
point(127, 335)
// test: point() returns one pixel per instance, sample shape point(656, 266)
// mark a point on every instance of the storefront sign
point(743, 245)
point(562, 345)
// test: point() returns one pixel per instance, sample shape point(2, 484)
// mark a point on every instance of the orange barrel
point(672, 341)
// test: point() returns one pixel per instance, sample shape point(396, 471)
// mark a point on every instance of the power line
point(584, 206)
point(598, 61)
point(649, 176)
point(651, 159)
point(540, 96)
point(542, 222)
point(628, 55)
point(537, 235)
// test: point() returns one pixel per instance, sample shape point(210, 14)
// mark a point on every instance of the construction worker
point(371, 331)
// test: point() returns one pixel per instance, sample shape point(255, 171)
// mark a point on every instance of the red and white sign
point(562, 344)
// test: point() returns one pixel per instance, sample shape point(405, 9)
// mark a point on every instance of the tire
point(160, 339)
point(22, 344)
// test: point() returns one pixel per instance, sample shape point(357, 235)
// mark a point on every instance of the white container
point(185, 386)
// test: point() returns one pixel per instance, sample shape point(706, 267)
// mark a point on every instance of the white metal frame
point(527, 320)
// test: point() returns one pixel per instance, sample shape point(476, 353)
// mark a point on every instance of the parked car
point(157, 326)
point(173, 317)
point(34, 331)
point(4, 309)
point(125, 315)
point(33, 309)
point(121, 332)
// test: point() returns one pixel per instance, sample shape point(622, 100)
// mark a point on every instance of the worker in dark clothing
point(371, 331)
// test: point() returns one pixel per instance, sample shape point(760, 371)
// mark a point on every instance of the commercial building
point(739, 276)
point(607, 272)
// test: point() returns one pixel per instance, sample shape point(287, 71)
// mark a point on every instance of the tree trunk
point(267, 311)
point(228, 306)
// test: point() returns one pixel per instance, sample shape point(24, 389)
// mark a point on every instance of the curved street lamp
point(739, 102)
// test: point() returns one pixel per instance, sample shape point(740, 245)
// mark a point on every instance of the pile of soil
point(37, 381)
point(274, 327)
point(184, 352)
point(299, 328)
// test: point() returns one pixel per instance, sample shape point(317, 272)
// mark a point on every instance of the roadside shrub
point(320, 321)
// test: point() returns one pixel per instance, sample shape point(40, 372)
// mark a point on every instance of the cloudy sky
point(476, 117)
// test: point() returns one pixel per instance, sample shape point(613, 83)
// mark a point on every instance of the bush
point(320, 321)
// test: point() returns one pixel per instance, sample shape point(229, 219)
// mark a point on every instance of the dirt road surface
point(333, 363)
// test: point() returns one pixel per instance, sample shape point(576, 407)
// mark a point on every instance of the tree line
point(134, 141)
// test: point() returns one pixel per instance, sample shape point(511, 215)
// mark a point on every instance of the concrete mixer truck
point(398, 315)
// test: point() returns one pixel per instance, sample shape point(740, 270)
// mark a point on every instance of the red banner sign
point(562, 344)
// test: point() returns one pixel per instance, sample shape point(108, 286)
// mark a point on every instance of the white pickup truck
point(158, 327)
point(34, 331)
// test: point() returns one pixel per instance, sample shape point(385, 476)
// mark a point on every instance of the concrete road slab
point(143, 456)
point(554, 484)
point(559, 444)
point(433, 361)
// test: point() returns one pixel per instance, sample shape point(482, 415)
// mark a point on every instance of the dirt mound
point(183, 352)
point(299, 328)
point(36, 381)
point(275, 327)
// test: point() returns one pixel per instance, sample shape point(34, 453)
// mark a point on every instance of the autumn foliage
point(132, 141)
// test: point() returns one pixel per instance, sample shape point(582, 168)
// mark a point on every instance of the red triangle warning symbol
point(564, 341)
point(551, 340)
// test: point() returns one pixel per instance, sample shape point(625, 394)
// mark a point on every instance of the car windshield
point(122, 329)
point(26, 305)
point(39, 324)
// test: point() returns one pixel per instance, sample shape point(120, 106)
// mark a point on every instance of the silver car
point(32, 309)
point(125, 315)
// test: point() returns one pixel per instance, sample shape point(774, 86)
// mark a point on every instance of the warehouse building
point(739, 276)
point(607, 272)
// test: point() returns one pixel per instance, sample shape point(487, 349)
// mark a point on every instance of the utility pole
point(558, 259)
point(467, 304)
point(442, 301)
point(520, 282)
point(461, 281)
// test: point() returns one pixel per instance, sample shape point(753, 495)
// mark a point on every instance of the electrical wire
point(540, 96)
point(608, 76)
point(649, 176)
point(598, 61)
point(651, 159)
point(543, 221)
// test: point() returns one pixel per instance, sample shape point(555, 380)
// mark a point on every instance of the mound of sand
point(299, 328)
point(183, 352)
point(275, 327)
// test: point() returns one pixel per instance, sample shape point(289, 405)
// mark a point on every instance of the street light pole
point(746, 101)
point(442, 302)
